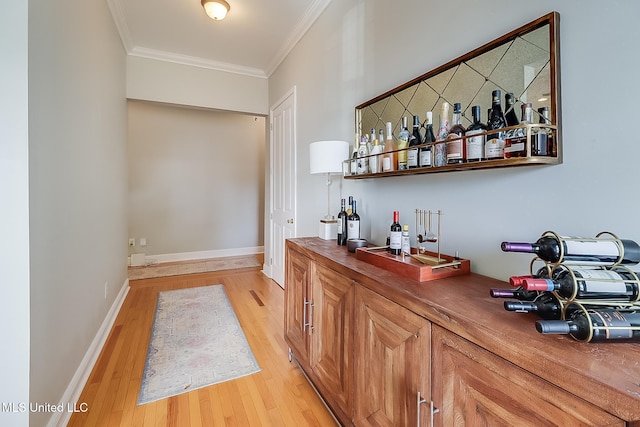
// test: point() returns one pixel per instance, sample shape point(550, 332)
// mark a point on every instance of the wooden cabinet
point(384, 350)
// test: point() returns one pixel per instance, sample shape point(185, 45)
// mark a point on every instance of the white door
point(282, 172)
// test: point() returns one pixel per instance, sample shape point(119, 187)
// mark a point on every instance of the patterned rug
point(218, 264)
point(196, 341)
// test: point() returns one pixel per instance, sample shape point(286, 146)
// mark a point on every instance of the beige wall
point(196, 179)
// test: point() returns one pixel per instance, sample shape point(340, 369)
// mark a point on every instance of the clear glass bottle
point(389, 158)
point(440, 148)
point(426, 159)
point(375, 161)
point(455, 144)
point(475, 138)
point(515, 144)
point(363, 159)
point(494, 146)
point(413, 154)
point(406, 240)
point(403, 144)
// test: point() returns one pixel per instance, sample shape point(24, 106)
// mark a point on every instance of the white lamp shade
point(327, 156)
point(216, 9)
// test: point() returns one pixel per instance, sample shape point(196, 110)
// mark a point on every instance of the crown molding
point(117, 12)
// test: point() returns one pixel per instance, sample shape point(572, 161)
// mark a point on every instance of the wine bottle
point(375, 161)
point(546, 305)
point(617, 284)
point(342, 224)
point(440, 148)
point(510, 109)
point(596, 325)
point(363, 159)
point(494, 146)
point(395, 238)
point(579, 251)
point(353, 223)
point(475, 142)
point(403, 144)
point(413, 154)
point(406, 240)
point(429, 138)
point(518, 293)
point(515, 144)
point(389, 158)
point(456, 149)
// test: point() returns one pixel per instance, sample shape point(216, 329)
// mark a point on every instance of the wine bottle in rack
point(389, 158)
point(440, 148)
point(475, 142)
point(403, 144)
point(598, 251)
point(395, 237)
point(455, 144)
point(494, 146)
point(518, 293)
point(620, 284)
point(596, 325)
point(413, 154)
point(546, 305)
point(426, 159)
point(342, 224)
point(353, 223)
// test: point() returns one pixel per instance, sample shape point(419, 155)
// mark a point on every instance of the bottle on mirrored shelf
point(542, 141)
point(406, 240)
point(375, 161)
point(473, 141)
point(456, 149)
point(518, 293)
point(342, 224)
point(395, 237)
point(353, 223)
point(363, 159)
point(515, 144)
point(429, 138)
point(390, 158)
point(440, 147)
point(510, 114)
point(413, 154)
point(619, 284)
point(494, 145)
point(596, 325)
point(598, 251)
point(354, 160)
point(403, 144)
point(545, 305)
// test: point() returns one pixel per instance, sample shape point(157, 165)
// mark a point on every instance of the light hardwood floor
point(279, 395)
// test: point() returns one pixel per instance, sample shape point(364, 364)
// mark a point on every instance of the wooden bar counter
point(385, 350)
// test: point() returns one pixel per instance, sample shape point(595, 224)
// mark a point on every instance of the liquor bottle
point(596, 325)
point(429, 138)
point(579, 251)
point(515, 144)
point(353, 223)
point(518, 293)
point(474, 142)
point(546, 305)
point(413, 154)
point(494, 146)
point(375, 161)
point(510, 110)
point(456, 149)
point(406, 240)
point(389, 158)
point(354, 160)
point(542, 142)
point(440, 149)
point(590, 284)
point(403, 144)
point(395, 237)
point(342, 225)
point(363, 159)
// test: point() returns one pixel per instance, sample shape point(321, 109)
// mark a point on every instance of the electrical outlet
point(132, 242)
point(106, 289)
point(143, 241)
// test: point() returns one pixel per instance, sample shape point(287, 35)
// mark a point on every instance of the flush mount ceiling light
point(216, 9)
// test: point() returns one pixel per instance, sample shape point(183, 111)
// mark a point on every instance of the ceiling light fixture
point(216, 9)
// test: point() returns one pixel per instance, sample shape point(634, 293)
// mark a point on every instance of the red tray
point(411, 268)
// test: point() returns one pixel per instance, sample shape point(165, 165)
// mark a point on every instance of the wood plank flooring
point(279, 395)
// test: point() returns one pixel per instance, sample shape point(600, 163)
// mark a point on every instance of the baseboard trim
point(79, 380)
point(191, 256)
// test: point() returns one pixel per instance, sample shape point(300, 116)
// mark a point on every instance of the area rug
point(196, 341)
point(160, 270)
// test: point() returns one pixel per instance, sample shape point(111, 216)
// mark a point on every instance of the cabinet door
point(332, 335)
point(297, 295)
point(392, 362)
point(474, 387)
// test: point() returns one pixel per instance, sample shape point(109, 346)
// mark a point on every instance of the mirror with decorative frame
point(524, 62)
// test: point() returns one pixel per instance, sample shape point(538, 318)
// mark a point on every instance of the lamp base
point(328, 229)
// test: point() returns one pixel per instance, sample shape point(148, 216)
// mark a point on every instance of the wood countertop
point(607, 375)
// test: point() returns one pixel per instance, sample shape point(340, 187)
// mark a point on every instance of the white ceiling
point(253, 39)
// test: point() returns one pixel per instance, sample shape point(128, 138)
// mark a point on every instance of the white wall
point(359, 49)
point(78, 185)
point(169, 82)
point(196, 179)
point(14, 215)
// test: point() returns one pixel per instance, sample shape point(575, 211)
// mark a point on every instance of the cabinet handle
point(420, 402)
point(433, 410)
point(306, 323)
point(310, 322)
